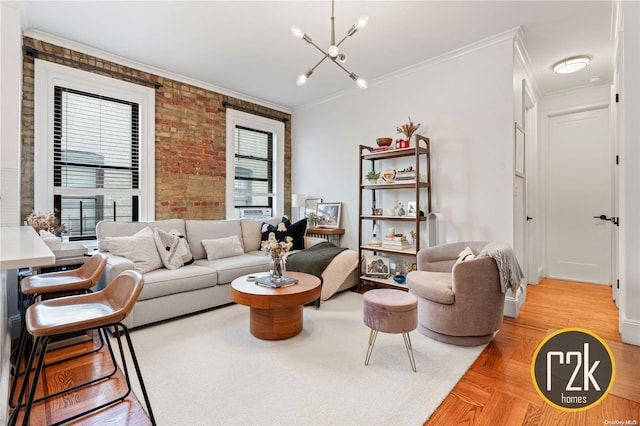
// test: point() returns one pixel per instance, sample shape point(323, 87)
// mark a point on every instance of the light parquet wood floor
point(497, 389)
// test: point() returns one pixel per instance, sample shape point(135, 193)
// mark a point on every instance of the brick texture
point(190, 145)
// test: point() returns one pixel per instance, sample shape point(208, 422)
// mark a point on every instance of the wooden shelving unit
point(375, 160)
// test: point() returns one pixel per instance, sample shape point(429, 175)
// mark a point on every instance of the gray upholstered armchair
point(459, 303)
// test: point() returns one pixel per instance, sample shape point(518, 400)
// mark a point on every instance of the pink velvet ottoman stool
point(390, 311)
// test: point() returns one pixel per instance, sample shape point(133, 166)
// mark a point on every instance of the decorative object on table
point(375, 241)
point(372, 176)
point(377, 211)
point(400, 211)
point(401, 143)
point(311, 205)
point(312, 219)
point(396, 242)
point(413, 236)
point(267, 281)
point(412, 209)
point(298, 201)
point(401, 272)
point(45, 222)
point(389, 175)
point(329, 215)
point(384, 141)
point(277, 250)
point(406, 175)
point(376, 266)
point(333, 52)
point(408, 129)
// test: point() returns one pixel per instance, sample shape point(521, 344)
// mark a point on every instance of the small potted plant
point(312, 219)
point(372, 176)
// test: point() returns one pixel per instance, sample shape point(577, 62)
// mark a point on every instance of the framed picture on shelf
point(376, 266)
point(412, 209)
point(329, 215)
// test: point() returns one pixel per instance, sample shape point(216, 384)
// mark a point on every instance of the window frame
point(47, 76)
point(251, 121)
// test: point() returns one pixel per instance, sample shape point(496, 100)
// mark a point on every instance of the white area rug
point(208, 369)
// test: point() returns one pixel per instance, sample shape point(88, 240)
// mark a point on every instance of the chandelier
point(333, 52)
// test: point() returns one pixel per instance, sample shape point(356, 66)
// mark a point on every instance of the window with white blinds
point(96, 149)
point(253, 183)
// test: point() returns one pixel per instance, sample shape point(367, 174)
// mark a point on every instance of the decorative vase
point(276, 268)
point(401, 211)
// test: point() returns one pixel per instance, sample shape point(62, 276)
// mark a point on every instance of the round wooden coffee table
point(276, 313)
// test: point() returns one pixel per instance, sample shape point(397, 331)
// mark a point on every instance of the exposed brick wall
point(190, 145)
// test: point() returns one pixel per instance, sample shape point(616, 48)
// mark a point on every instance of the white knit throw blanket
point(511, 276)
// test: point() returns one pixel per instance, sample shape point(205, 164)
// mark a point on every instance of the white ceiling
point(247, 46)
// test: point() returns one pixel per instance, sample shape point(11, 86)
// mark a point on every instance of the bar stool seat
point(101, 310)
point(390, 311)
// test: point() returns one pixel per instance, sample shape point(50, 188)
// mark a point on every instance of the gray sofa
point(205, 283)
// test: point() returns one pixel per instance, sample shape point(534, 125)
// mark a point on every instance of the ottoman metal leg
point(372, 340)
point(407, 344)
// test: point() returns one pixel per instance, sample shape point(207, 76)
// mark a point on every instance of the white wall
point(464, 104)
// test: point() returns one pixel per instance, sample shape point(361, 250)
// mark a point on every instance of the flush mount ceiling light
point(569, 65)
point(333, 52)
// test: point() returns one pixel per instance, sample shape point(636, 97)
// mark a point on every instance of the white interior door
point(579, 188)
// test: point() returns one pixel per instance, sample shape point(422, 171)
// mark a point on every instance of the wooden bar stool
point(102, 310)
point(50, 285)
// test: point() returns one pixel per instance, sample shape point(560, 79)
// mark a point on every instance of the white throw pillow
point(140, 248)
point(219, 248)
point(172, 247)
point(466, 254)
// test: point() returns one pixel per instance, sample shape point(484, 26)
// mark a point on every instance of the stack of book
point(381, 149)
point(395, 242)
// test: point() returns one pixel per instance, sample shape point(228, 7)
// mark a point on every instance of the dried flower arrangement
point(45, 221)
point(275, 248)
point(408, 129)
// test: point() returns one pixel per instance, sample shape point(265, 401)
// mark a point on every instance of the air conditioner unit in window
point(255, 213)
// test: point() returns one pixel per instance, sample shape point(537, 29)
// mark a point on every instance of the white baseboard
point(513, 304)
point(630, 332)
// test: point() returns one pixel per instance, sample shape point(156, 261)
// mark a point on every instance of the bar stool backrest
point(122, 293)
point(92, 269)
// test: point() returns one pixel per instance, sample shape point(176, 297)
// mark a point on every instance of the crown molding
point(88, 50)
point(523, 56)
point(510, 34)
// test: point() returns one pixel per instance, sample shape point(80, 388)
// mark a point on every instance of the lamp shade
point(297, 200)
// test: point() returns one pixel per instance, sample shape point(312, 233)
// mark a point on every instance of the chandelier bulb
point(334, 51)
point(362, 22)
point(361, 82)
point(297, 32)
point(302, 79)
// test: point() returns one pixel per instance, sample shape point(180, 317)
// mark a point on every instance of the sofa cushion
point(173, 248)
point(198, 230)
point(251, 230)
point(231, 268)
point(466, 254)
point(434, 286)
point(107, 228)
point(163, 282)
point(139, 248)
point(280, 230)
point(297, 231)
point(219, 248)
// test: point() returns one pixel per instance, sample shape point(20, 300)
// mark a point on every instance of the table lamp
point(298, 200)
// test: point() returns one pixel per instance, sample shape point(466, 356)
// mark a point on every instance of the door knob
point(604, 217)
point(529, 218)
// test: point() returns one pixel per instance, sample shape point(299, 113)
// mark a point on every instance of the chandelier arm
point(318, 47)
point(319, 62)
point(343, 39)
point(343, 68)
